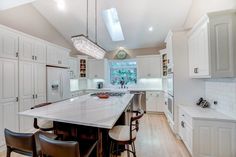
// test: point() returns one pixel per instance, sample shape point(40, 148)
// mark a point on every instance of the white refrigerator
point(58, 84)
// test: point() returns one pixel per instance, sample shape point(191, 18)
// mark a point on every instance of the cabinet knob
point(195, 70)
point(148, 75)
point(32, 57)
point(59, 62)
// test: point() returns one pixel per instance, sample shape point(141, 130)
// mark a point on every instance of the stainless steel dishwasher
point(136, 100)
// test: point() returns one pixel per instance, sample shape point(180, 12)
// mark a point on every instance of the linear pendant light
point(84, 45)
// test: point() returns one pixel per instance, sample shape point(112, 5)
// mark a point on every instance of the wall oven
point(170, 106)
point(170, 84)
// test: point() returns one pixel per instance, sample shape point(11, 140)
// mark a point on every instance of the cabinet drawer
point(185, 117)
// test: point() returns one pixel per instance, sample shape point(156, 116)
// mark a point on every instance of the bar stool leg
point(8, 152)
point(128, 153)
point(133, 149)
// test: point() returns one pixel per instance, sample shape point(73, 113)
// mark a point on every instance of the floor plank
point(154, 139)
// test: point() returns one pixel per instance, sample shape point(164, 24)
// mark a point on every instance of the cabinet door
point(151, 102)
point(26, 47)
point(26, 74)
point(222, 46)
point(40, 83)
point(204, 137)
point(51, 55)
point(199, 53)
point(96, 69)
point(225, 144)
point(8, 80)
point(40, 52)
point(149, 67)
point(8, 44)
point(8, 118)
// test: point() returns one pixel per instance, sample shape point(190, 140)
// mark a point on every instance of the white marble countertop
point(123, 90)
point(84, 110)
point(197, 112)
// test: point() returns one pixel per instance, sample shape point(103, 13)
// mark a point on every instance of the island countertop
point(84, 110)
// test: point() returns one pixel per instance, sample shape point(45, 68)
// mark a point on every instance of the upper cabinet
point(97, 68)
point(57, 56)
point(73, 65)
point(9, 44)
point(169, 50)
point(212, 48)
point(149, 66)
point(31, 49)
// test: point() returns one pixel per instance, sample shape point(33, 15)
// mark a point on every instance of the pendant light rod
point(87, 18)
point(96, 22)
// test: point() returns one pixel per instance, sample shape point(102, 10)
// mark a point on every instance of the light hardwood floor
point(155, 139)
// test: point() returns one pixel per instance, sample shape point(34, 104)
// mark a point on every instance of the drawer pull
point(182, 124)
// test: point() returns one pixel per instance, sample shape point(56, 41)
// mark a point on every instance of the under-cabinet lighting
point(111, 19)
point(7, 4)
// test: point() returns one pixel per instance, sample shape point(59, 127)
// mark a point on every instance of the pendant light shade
point(84, 45)
point(88, 47)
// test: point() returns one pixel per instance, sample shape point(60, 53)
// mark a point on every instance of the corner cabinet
point(149, 66)
point(212, 48)
point(206, 136)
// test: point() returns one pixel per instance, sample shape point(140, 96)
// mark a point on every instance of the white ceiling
point(136, 16)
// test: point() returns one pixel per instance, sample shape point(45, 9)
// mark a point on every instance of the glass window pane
point(123, 71)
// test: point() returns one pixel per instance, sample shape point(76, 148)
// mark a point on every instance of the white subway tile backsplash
point(224, 92)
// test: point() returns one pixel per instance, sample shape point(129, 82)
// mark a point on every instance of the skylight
point(112, 22)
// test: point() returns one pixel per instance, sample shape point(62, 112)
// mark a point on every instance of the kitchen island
point(86, 111)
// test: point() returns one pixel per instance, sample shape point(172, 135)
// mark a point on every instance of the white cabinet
point(57, 56)
point(212, 52)
point(169, 49)
point(8, 96)
point(209, 138)
point(40, 52)
point(149, 66)
point(8, 80)
point(8, 118)
point(32, 50)
point(154, 101)
point(32, 89)
point(96, 69)
point(73, 65)
point(8, 44)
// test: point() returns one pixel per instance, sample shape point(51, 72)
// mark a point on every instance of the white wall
point(200, 7)
point(224, 92)
point(27, 19)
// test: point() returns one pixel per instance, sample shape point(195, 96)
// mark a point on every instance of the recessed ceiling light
point(111, 19)
point(150, 29)
point(61, 5)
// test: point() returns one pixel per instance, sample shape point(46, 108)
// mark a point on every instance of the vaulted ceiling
point(136, 16)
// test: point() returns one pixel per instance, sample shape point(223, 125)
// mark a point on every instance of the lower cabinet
point(207, 138)
point(154, 101)
point(8, 118)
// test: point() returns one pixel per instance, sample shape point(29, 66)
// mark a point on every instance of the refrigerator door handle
point(61, 86)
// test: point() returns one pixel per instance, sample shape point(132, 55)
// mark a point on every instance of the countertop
point(84, 110)
point(123, 90)
point(197, 112)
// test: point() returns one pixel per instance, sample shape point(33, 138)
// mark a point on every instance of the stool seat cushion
point(121, 133)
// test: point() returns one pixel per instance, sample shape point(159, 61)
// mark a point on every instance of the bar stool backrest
point(56, 148)
point(134, 124)
point(23, 143)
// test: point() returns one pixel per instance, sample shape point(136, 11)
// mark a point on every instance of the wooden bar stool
point(44, 125)
point(21, 143)
point(56, 148)
point(125, 134)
